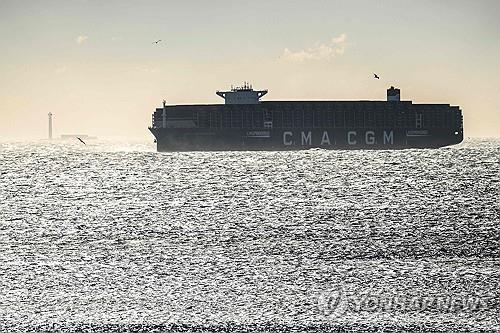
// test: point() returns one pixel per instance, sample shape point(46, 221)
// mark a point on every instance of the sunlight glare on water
point(116, 233)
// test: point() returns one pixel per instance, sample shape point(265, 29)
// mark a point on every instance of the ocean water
point(115, 237)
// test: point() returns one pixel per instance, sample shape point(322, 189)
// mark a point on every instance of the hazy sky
point(93, 64)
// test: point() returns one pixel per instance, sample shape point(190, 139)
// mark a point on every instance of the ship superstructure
point(245, 122)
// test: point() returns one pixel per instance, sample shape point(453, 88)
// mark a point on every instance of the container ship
point(244, 122)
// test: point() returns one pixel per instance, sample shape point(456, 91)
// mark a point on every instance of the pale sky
point(93, 64)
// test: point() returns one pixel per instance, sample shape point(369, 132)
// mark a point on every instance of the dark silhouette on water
point(244, 122)
point(156, 42)
point(81, 141)
point(376, 76)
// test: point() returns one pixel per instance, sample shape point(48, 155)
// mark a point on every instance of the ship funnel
point(393, 94)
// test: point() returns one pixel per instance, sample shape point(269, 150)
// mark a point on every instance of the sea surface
point(115, 237)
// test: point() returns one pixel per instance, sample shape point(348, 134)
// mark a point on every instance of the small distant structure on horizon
point(67, 136)
point(76, 136)
point(50, 125)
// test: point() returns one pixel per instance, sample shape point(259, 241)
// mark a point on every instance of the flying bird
point(156, 42)
point(376, 76)
point(81, 141)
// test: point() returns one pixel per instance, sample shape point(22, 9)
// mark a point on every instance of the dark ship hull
point(299, 139)
point(245, 123)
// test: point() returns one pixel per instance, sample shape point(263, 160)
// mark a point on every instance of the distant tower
point(50, 125)
point(393, 94)
point(164, 114)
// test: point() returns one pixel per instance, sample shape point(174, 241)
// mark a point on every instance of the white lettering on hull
point(389, 138)
point(325, 140)
point(350, 140)
point(306, 139)
point(370, 137)
point(287, 142)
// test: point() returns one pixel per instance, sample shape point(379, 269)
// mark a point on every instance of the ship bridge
point(242, 95)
